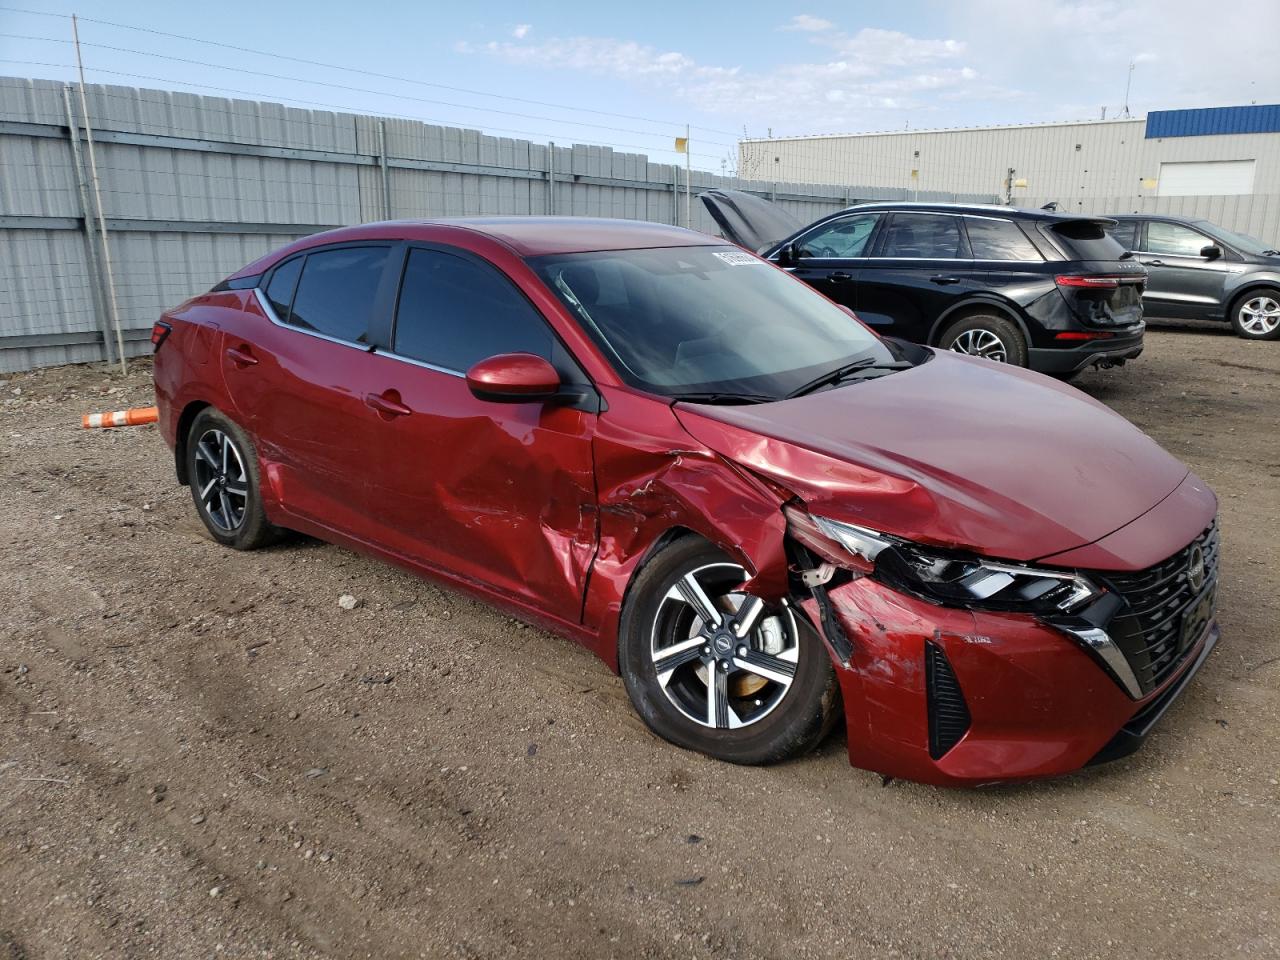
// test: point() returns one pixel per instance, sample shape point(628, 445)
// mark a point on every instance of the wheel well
point(185, 420)
point(975, 308)
point(1241, 294)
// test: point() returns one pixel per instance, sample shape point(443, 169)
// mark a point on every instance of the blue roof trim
point(1207, 121)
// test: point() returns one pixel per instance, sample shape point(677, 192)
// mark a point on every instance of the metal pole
point(97, 194)
point(386, 174)
point(551, 178)
point(91, 248)
point(675, 195)
point(688, 165)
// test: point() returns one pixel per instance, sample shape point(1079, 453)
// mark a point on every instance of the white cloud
point(808, 24)
point(521, 30)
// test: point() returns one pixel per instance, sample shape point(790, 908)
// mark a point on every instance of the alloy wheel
point(981, 343)
point(1260, 315)
point(723, 658)
point(221, 481)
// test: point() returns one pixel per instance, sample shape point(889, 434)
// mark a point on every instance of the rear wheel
point(714, 669)
point(1256, 315)
point(222, 470)
point(987, 336)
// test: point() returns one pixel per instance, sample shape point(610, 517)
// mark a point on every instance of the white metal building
point(1222, 163)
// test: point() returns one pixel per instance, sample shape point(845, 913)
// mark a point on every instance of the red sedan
point(762, 514)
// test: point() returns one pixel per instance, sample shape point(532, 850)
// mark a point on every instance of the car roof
point(978, 209)
point(536, 236)
point(1167, 217)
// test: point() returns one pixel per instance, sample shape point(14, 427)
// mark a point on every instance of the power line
point(350, 89)
point(367, 73)
point(312, 103)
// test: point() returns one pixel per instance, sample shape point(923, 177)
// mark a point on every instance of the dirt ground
point(202, 754)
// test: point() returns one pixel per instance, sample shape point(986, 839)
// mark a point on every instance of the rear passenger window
point(998, 240)
point(1124, 233)
point(454, 312)
point(923, 236)
point(335, 295)
point(280, 289)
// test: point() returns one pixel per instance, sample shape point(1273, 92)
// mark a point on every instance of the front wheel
point(990, 337)
point(713, 669)
point(1256, 315)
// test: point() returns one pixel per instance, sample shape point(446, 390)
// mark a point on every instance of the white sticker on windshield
point(735, 259)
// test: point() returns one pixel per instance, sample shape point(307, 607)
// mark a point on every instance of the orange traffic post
point(132, 417)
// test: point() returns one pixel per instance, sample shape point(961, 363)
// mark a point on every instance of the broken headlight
point(941, 576)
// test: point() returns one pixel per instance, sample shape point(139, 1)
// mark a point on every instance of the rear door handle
point(1155, 263)
point(242, 356)
point(944, 281)
point(840, 276)
point(387, 404)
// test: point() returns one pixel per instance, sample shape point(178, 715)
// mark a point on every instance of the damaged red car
point(766, 517)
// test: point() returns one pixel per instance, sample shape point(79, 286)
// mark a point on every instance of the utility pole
point(1128, 84)
point(688, 192)
point(1008, 187)
point(97, 195)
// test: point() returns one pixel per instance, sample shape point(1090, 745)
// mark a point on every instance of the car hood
point(957, 452)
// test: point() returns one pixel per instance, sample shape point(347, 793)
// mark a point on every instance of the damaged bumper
point(959, 697)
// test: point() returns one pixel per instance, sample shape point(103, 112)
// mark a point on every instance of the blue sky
point(636, 73)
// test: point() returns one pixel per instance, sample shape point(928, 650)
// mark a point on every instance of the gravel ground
point(202, 753)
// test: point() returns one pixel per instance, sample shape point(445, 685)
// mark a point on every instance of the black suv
point(1198, 270)
point(1043, 290)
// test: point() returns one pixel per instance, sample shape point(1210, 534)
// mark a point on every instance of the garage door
point(1205, 178)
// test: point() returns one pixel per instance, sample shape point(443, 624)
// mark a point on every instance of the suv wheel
point(1257, 315)
point(222, 469)
point(994, 338)
point(713, 669)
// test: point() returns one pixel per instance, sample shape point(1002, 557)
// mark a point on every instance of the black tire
point(789, 720)
point(1246, 320)
point(967, 336)
point(228, 498)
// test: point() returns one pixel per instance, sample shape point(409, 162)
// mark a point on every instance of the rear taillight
point(160, 331)
point(1071, 280)
point(1084, 335)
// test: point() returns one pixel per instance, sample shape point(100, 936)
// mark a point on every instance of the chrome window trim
point(362, 347)
point(270, 313)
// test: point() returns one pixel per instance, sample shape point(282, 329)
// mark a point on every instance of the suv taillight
point(160, 331)
point(1104, 282)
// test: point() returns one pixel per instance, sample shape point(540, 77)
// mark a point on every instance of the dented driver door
point(502, 494)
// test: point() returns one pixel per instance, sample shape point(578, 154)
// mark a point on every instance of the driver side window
point(844, 238)
point(1173, 239)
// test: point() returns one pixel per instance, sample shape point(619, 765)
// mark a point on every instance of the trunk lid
point(749, 221)
point(1100, 281)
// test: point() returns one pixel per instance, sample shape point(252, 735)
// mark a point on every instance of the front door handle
point(242, 356)
point(944, 281)
point(387, 404)
point(840, 276)
point(1155, 263)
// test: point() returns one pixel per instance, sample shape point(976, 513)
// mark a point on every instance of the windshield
point(682, 320)
point(1240, 241)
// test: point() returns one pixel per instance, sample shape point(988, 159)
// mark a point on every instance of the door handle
point(242, 356)
point(944, 281)
point(387, 404)
point(1155, 263)
point(840, 276)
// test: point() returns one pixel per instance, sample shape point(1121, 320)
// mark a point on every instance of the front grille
point(1152, 628)
point(948, 713)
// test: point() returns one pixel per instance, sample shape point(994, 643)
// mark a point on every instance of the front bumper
point(1087, 353)
point(1038, 705)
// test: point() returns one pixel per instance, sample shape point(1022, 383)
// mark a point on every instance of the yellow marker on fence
point(133, 417)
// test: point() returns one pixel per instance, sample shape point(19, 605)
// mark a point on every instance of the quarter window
point(846, 237)
point(998, 240)
point(454, 312)
point(1125, 233)
point(336, 293)
point(1173, 239)
point(923, 236)
point(280, 290)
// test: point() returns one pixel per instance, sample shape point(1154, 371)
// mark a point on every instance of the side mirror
point(1211, 252)
point(789, 255)
point(513, 378)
